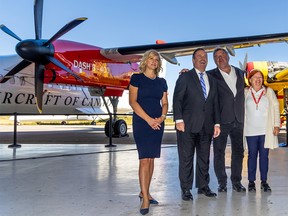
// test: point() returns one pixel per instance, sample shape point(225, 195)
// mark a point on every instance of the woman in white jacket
point(261, 127)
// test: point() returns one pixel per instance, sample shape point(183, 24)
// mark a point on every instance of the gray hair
point(220, 48)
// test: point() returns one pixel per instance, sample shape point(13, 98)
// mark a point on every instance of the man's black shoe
point(207, 192)
point(186, 195)
point(222, 188)
point(238, 187)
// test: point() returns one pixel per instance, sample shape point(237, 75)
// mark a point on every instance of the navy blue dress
point(150, 93)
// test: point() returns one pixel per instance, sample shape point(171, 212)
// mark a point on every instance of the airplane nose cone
point(34, 51)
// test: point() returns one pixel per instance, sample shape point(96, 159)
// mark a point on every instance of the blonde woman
point(148, 99)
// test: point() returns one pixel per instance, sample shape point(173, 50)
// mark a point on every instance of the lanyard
point(257, 101)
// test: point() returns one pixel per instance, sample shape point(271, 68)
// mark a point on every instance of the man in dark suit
point(197, 117)
point(230, 82)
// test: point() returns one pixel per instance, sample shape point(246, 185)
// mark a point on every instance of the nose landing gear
point(119, 128)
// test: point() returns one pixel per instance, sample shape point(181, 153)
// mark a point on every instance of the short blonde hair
point(143, 62)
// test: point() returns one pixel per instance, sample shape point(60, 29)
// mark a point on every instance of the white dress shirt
point(205, 77)
point(230, 79)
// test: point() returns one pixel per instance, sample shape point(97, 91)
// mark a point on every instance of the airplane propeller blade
point(23, 64)
point(240, 65)
point(39, 80)
point(244, 64)
point(62, 66)
point(9, 32)
point(65, 29)
point(245, 61)
point(38, 14)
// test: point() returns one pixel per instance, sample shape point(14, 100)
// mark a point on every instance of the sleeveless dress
point(150, 93)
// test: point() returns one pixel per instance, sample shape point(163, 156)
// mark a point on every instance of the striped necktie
point(203, 85)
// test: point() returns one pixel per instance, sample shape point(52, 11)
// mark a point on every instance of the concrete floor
point(88, 179)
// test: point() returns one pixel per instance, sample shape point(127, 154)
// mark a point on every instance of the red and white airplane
point(103, 72)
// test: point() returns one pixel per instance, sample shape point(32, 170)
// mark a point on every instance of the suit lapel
point(210, 85)
point(218, 75)
point(240, 81)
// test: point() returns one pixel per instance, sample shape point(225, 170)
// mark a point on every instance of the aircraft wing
point(170, 51)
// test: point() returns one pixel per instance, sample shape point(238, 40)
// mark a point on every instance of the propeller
point(39, 51)
point(243, 67)
point(39, 79)
point(9, 32)
point(244, 64)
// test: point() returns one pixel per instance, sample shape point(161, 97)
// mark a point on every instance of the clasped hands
point(156, 123)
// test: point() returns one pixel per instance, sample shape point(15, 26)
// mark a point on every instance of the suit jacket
point(231, 108)
point(190, 105)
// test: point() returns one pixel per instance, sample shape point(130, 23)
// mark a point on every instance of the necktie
point(203, 85)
